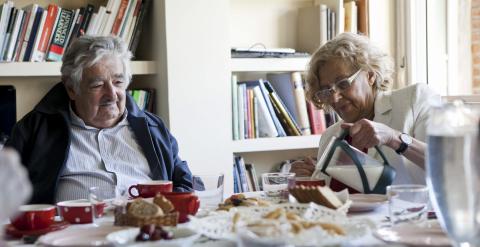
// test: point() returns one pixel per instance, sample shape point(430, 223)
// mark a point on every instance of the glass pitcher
point(453, 171)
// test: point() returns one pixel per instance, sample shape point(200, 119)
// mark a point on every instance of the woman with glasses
point(352, 76)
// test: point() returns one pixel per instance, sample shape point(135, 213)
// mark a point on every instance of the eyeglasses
point(339, 86)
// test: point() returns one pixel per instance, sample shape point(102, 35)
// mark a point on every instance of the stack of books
point(37, 34)
point(275, 107)
point(244, 176)
point(144, 98)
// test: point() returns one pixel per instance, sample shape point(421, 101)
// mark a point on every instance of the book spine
point(283, 114)
point(241, 112)
point(87, 17)
point(273, 115)
point(242, 175)
point(255, 116)
point(7, 8)
point(300, 104)
point(235, 124)
point(249, 113)
point(266, 127)
point(236, 182)
point(19, 20)
point(120, 15)
point(112, 12)
point(8, 34)
point(131, 27)
point(21, 37)
point(127, 19)
point(32, 36)
point(40, 50)
point(138, 26)
point(317, 119)
point(60, 35)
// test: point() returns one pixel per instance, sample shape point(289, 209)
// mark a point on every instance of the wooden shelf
point(268, 64)
point(53, 68)
point(275, 144)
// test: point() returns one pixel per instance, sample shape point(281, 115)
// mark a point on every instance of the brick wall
point(476, 45)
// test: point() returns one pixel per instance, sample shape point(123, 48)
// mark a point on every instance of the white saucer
point(429, 234)
point(182, 236)
point(366, 202)
point(79, 236)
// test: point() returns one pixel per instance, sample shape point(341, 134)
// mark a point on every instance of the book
point(282, 83)
point(111, 11)
point(117, 24)
point(6, 10)
point(131, 27)
point(137, 30)
point(235, 123)
point(300, 103)
point(317, 119)
point(8, 34)
point(60, 35)
point(312, 27)
point(236, 178)
point(350, 17)
point(12, 43)
point(87, 16)
point(282, 112)
point(241, 112)
point(77, 25)
point(252, 175)
point(242, 173)
point(363, 20)
point(250, 119)
point(40, 50)
point(34, 38)
point(21, 36)
point(266, 127)
point(337, 7)
point(127, 20)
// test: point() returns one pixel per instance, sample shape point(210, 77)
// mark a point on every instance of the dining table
point(379, 216)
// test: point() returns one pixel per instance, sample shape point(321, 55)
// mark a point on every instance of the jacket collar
point(57, 102)
point(383, 106)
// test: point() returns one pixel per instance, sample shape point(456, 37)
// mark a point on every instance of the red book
point(316, 118)
point(120, 14)
point(39, 53)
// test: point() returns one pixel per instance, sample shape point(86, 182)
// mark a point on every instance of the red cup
point(80, 211)
point(309, 181)
point(34, 217)
point(150, 188)
point(186, 203)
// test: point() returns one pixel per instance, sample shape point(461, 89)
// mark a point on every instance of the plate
point(13, 232)
point(79, 236)
point(428, 234)
point(366, 202)
point(182, 237)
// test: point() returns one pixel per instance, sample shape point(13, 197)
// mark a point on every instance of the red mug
point(186, 203)
point(309, 181)
point(150, 188)
point(80, 211)
point(34, 217)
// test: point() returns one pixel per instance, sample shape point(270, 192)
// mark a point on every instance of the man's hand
point(367, 134)
point(15, 187)
point(303, 168)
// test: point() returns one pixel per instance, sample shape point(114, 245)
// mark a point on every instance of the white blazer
point(405, 110)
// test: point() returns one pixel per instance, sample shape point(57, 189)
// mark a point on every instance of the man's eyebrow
point(119, 75)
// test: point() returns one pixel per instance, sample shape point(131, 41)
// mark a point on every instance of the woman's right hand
point(303, 168)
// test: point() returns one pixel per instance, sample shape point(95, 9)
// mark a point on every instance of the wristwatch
point(406, 141)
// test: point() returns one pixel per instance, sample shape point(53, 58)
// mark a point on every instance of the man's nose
point(110, 91)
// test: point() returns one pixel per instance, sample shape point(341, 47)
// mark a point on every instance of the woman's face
point(355, 102)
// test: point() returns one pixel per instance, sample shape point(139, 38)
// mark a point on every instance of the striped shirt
point(108, 158)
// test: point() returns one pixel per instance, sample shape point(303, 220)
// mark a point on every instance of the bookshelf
point(276, 144)
point(268, 64)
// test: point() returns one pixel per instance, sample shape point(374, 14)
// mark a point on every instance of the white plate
point(429, 234)
point(79, 236)
point(366, 202)
point(183, 237)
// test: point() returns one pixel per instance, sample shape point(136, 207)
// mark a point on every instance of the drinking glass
point(209, 189)
point(453, 171)
point(275, 185)
point(97, 198)
point(407, 203)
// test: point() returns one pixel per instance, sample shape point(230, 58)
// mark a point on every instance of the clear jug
point(453, 170)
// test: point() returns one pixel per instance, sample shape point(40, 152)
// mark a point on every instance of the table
point(377, 216)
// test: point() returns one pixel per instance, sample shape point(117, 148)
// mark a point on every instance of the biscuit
point(163, 203)
point(142, 209)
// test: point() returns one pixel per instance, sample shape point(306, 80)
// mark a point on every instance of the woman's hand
point(367, 134)
point(303, 168)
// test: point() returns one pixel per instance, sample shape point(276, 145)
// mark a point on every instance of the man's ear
point(371, 78)
point(71, 93)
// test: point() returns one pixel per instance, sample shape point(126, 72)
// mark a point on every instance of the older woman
point(351, 76)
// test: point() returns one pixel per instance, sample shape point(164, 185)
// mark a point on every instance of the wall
point(476, 45)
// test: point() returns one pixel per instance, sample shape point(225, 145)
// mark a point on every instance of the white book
point(141, 99)
point(128, 21)
point(241, 111)
point(323, 24)
point(6, 9)
point(14, 35)
point(301, 103)
point(98, 21)
point(125, 17)
point(266, 127)
point(111, 17)
point(91, 24)
point(337, 7)
point(131, 27)
point(234, 82)
point(34, 57)
point(33, 13)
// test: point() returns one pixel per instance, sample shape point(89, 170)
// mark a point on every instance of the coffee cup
point(80, 211)
point(186, 203)
point(150, 188)
point(34, 217)
point(309, 181)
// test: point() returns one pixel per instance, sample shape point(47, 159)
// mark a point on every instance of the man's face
point(100, 101)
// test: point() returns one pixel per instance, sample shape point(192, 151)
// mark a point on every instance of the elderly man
point(87, 132)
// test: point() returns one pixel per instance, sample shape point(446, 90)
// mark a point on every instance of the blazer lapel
point(383, 114)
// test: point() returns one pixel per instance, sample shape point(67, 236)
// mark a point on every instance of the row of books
point(319, 23)
point(244, 176)
point(36, 34)
point(275, 107)
point(144, 98)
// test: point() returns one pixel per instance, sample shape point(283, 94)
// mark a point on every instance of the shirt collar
point(77, 121)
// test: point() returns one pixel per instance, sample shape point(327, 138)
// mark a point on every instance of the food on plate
point(278, 222)
point(163, 203)
point(143, 209)
point(141, 212)
point(321, 195)
point(241, 200)
point(152, 232)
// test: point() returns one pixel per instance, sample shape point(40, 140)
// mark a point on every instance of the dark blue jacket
point(43, 138)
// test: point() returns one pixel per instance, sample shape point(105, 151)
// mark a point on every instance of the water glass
point(275, 185)
point(209, 189)
point(408, 203)
point(98, 199)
